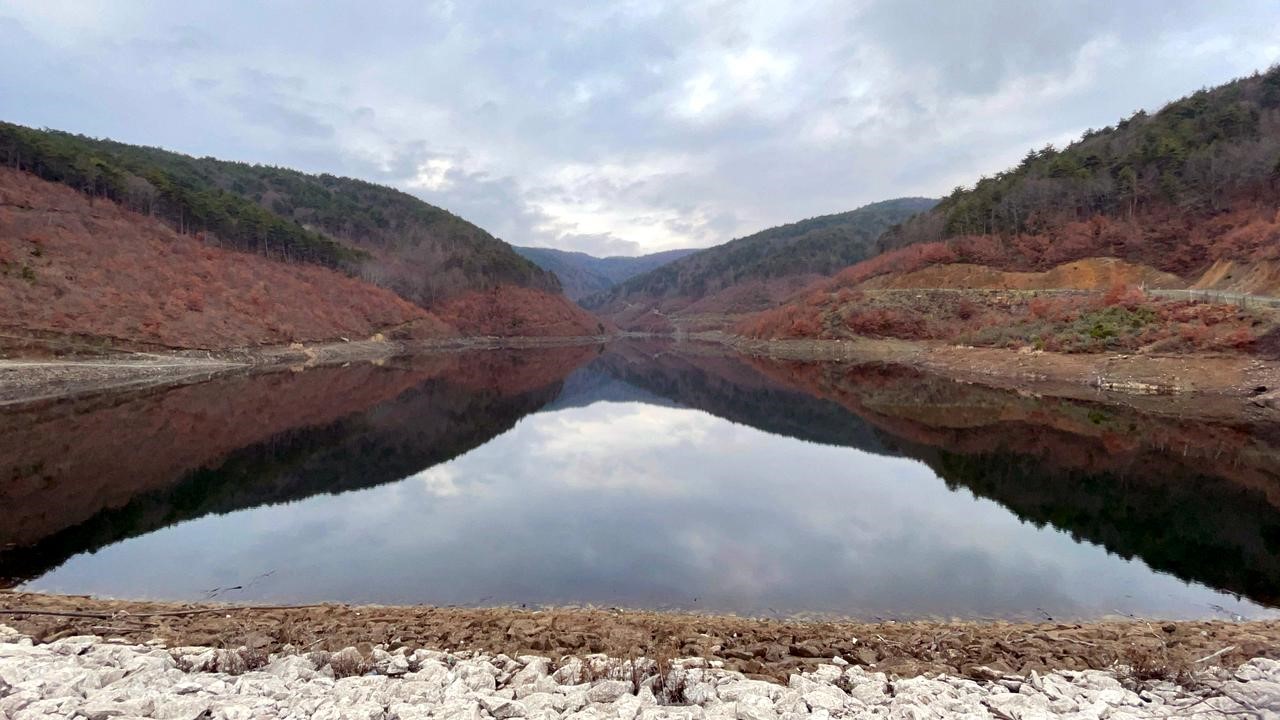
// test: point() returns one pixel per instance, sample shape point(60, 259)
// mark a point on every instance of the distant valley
point(582, 275)
point(751, 273)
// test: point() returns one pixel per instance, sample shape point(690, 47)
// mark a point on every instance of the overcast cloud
point(619, 128)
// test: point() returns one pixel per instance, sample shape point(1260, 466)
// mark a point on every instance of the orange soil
point(1087, 274)
point(1165, 238)
point(1258, 278)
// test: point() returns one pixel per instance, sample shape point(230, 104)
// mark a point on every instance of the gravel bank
point(89, 677)
point(765, 649)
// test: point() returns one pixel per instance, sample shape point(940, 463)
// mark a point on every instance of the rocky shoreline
point(96, 678)
point(768, 649)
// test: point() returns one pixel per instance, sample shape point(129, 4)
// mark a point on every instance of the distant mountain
point(757, 271)
point(471, 280)
point(581, 274)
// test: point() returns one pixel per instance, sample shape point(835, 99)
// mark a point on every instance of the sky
point(621, 128)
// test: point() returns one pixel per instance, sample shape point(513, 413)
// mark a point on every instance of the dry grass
point(230, 662)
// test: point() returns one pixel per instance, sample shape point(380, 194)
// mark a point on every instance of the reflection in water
point(655, 475)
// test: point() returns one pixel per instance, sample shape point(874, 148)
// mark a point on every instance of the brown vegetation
point(72, 267)
point(91, 273)
point(508, 310)
point(1123, 319)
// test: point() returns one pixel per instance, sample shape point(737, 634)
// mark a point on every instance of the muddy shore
point(763, 648)
point(1218, 386)
point(25, 380)
point(1211, 386)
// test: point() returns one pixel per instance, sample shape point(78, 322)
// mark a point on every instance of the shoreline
point(1220, 386)
point(31, 380)
point(94, 677)
point(1208, 386)
point(762, 648)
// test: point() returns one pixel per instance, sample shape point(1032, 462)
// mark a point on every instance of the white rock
point(738, 689)
point(827, 673)
point(755, 707)
point(569, 673)
point(606, 691)
point(825, 698)
point(457, 710)
point(627, 707)
point(700, 694)
point(501, 707)
point(89, 679)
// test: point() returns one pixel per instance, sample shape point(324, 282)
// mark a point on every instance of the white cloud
point(638, 126)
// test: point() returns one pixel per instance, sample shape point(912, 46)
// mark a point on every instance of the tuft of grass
point(230, 662)
point(1142, 663)
point(349, 663)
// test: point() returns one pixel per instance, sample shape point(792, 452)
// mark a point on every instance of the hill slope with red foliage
point(1185, 197)
point(72, 267)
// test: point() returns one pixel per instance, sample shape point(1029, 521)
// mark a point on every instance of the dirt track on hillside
point(765, 648)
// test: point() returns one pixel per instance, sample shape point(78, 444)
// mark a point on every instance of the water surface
point(642, 475)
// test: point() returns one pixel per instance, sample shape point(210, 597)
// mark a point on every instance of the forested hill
point(817, 246)
point(1210, 153)
point(424, 253)
point(581, 274)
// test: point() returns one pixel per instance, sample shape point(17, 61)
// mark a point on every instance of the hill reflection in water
point(644, 475)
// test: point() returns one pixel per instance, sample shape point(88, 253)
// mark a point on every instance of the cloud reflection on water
point(630, 504)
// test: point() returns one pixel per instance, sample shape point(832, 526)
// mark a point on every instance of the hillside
point(383, 236)
point(1180, 190)
point(582, 275)
point(76, 271)
point(753, 272)
point(1184, 197)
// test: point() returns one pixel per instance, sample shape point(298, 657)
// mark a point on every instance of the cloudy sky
point(628, 127)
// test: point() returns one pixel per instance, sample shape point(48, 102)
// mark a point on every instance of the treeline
point(1198, 154)
point(137, 179)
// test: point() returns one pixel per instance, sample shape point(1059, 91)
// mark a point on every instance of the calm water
point(641, 475)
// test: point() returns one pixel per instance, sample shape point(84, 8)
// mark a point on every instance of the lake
point(641, 475)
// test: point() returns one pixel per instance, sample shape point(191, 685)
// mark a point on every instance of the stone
point(825, 698)
point(627, 707)
point(755, 707)
point(501, 707)
point(738, 689)
point(809, 650)
point(92, 679)
point(606, 691)
point(457, 710)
